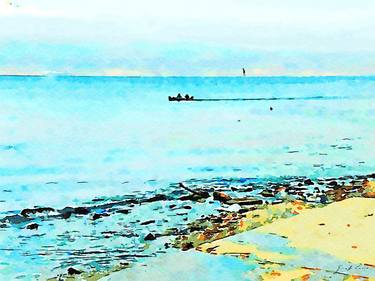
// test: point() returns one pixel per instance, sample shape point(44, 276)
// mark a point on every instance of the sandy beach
point(337, 239)
point(291, 240)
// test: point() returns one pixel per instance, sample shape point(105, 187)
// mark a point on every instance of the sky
point(189, 38)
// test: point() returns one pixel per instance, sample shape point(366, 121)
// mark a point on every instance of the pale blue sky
point(195, 37)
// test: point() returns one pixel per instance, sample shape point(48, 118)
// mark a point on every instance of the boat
point(179, 98)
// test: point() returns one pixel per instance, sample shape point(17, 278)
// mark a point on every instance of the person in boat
point(187, 97)
point(179, 97)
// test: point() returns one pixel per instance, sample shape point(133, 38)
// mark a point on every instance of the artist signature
point(357, 267)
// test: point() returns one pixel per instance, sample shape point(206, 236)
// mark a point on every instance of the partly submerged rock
point(98, 216)
point(267, 193)
point(32, 226)
point(81, 210)
point(221, 196)
point(195, 197)
point(27, 212)
point(66, 212)
point(147, 222)
point(73, 271)
point(157, 197)
point(187, 246)
point(123, 211)
point(245, 201)
point(150, 237)
point(308, 182)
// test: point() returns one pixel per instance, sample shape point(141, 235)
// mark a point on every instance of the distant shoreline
point(372, 76)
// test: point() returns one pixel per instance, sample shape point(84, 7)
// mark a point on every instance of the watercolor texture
point(187, 140)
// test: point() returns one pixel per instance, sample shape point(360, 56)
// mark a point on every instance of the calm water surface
point(68, 140)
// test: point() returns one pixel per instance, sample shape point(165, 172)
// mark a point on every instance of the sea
point(73, 141)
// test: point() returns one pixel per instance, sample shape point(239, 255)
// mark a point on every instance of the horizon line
point(188, 76)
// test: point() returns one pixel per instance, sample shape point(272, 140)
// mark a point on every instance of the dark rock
point(124, 211)
point(216, 220)
point(66, 215)
point(149, 237)
point(73, 271)
point(66, 212)
point(109, 232)
point(245, 201)
point(187, 207)
point(332, 183)
point(241, 211)
point(267, 193)
point(133, 202)
point(32, 226)
point(27, 212)
point(204, 194)
point(192, 197)
point(195, 194)
point(98, 216)
point(308, 182)
point(81, 211)
point(187, 246)
point(157, 197)
point(147, 222)
point(221, 196)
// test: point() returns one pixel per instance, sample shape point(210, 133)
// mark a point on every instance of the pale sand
point(343, 230)
point(348, 232)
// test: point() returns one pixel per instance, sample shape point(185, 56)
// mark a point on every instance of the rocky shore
point(206, 211)
point(291, 239)
point(287, 200)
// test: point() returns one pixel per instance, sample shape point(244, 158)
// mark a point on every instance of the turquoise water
point(191, 266)
point(67, 140)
